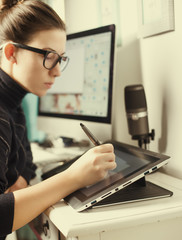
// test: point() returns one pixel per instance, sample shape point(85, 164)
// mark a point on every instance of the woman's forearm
point(30, 202)
point(87, 170)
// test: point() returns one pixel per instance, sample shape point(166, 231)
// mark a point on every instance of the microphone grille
point(135, 98)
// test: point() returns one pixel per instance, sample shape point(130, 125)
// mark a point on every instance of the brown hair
point(20, 20)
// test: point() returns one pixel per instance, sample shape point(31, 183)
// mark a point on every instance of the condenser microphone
point(137, 114)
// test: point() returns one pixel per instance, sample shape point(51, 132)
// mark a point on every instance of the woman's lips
point(49, 85)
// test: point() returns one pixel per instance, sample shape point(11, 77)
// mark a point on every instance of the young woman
point(32, 43)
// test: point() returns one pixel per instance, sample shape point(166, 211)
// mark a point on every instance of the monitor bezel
point(106, 119)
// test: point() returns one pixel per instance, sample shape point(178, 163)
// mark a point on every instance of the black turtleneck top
point(15, 152)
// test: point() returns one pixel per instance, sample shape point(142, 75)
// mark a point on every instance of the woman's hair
point(21, 19)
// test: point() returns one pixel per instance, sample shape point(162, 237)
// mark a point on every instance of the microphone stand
point(144, 139)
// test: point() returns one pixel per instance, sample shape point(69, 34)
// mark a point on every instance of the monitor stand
point(137, 191)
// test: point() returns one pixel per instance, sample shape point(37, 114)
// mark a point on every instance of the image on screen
point(84, 89)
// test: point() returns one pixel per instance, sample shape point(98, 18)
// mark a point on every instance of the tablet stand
point(137, 191)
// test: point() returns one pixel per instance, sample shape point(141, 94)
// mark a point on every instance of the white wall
point(58, 6)
point(84, 14)
point(162, 73)
point(155, 62)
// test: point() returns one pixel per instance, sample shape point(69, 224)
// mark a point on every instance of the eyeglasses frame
point(43, 52)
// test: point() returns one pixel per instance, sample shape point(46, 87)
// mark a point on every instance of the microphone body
point(137, 115)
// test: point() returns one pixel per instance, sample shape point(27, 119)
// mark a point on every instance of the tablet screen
point(128, 163)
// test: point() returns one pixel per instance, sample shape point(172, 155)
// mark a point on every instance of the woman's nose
point(56, 70)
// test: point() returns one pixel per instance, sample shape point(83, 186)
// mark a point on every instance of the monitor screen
point(84, 90)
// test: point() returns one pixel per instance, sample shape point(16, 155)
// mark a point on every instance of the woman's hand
point(93, 166)
point(19, 184)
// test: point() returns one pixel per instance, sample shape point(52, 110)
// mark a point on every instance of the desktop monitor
point(83, 92)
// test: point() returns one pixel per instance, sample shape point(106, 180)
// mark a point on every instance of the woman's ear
point(9, 51)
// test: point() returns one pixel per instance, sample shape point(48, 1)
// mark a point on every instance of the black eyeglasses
point(51, 58)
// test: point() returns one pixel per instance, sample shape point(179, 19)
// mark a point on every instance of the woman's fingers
point(105, 160)
point(104, 148)
point(94, 165)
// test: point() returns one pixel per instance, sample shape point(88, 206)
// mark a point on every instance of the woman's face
point(29, 71)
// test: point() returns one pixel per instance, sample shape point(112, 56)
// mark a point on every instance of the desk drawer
point(41, 228)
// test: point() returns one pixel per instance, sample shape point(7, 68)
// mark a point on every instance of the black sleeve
point(30, 167)
point(6, 200)
point(5, 143)
point(6, 213)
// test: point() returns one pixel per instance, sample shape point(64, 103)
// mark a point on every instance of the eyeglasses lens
point(53, 58)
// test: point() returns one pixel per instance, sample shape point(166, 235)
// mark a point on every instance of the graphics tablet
point(133, 163)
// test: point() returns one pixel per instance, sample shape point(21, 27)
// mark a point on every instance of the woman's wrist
point(74, 178)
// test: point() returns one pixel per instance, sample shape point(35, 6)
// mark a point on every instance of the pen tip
point(81, 124)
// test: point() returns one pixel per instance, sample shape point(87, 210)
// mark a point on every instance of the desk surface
point(127, 215)
point(59, 153)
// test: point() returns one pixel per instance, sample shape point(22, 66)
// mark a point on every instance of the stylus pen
point(94, 140)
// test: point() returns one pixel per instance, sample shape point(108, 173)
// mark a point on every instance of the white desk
point(41, 155)
point(159, 219)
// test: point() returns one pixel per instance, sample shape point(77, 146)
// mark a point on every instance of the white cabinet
point(49, 230)
point(39, 228)
point(155, 219)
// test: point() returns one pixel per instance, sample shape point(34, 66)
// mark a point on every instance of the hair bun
point(7, 4)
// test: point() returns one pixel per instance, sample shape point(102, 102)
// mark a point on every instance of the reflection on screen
point(83, 88)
